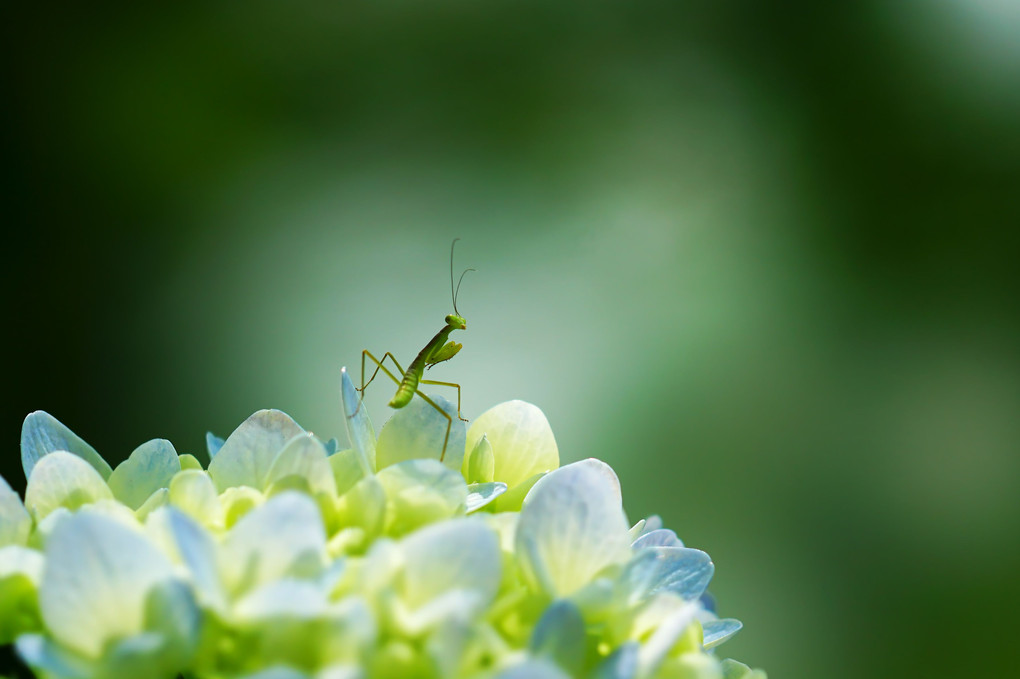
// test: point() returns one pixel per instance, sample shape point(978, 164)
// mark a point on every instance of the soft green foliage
point(288, 559)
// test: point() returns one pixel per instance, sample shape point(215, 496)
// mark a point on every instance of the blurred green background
point(761, 260)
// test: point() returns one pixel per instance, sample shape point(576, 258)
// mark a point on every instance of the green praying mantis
point(436, 351)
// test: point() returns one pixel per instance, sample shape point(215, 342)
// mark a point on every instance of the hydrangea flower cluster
point(286, 558)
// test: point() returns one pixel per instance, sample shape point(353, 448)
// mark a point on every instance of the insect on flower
point(436, 351)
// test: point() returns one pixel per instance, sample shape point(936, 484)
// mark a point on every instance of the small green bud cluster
point(286, 558)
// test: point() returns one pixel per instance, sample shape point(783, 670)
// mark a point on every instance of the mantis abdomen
point(408, 386)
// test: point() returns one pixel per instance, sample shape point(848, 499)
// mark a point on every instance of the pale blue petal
point(661, 537)
point(456, 554)
point(678, 570)
point(15, 523)
point(141, 655)
point(42, 434)
point(248, 453)
point(718, 631)
point(620, 664)
point(50, 660)
point(481, 494)
point(172, 612)
point(197, 550)
point(149, 468)
point(571, 527)
point(559, 636)
point(213, 444)
point(359, 426)
point(417, 432)
point(97, 577)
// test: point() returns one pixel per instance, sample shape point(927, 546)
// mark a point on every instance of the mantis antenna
point(454, 293)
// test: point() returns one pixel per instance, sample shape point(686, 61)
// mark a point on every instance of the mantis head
point(456, 322)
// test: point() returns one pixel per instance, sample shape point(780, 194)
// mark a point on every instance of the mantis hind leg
point(449, 420)
point(449, 384)
point(378, 366)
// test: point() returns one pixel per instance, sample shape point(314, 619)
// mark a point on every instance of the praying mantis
point(436, 351)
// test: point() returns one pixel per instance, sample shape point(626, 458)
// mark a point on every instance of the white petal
point(98, 573)
point(278, 672)
point(453, 606)
point(248, 453)
point(304, 456)
point(572, 526)
point(17, 560)
point(15, 523)
point(364, 506)
point(534, 669)
point(284, 536)
point(42, 434)
point(419, 492)
point(193, 492)
point(454, 554)
point(654, 651)
point(283, 598)
point(340, 672)
point(418, 431)
point(149, 468)
point(522, 441)
point(160, 498)
point(61, 479)
point(347, 469)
